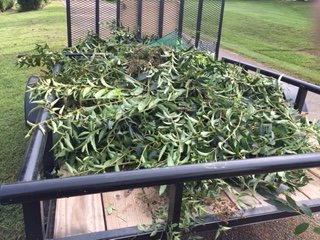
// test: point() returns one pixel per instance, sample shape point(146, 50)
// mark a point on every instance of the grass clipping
point(131, 106)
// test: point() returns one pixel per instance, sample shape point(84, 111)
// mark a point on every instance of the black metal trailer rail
point(30, 191)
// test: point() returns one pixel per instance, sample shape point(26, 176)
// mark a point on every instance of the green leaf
point(306, 210)
point(116, 168)
point(103, 82)
point(162, 189)
point(204, 154)
point(52, 104)
point(154, 103)
point(229, 114)
point(153, 233)
point(143, 104)
point(220, 230)
point(102, 134)
point(68, 144)
point(109, 209)
point(302, 227)
point(115, 93)
point(70, 169)
point(100, 93)
point(170, 160)
point(61, 109)
point(316, 230)
point(162, 151)
point(85, 92)
point(54, 127)
point(93, 142)
point(280, 205)
point(292, 203)
point(141, 228)
point(137, 91)
point(42, 129)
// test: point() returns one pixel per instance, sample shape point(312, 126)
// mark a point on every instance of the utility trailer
point(75, 207)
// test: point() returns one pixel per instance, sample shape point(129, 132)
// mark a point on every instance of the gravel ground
point(277, 230)
point(272, 230)
point(281, 229)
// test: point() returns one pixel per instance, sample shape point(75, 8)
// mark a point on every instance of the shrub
point(28, 5)
point(6, 4)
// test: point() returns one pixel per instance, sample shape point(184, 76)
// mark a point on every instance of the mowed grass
point(276, 33)
point(19, 33)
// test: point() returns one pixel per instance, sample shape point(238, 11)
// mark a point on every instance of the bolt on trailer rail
point(37, 191)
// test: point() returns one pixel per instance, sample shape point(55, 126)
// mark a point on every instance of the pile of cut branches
point(129, 105)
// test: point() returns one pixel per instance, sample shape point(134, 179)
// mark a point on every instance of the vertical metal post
point(180, 20)
point(175, 201)
point(139, 17)
point(216, 54)
point(161, 13)
point(32, 221)
point(50, 217)
point(69, 35)
point(48, 159)
point(97, 17)
point(198, 26)
point(300, 99)
point(118, 13)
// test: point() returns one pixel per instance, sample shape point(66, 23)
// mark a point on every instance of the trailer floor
point(132, 207)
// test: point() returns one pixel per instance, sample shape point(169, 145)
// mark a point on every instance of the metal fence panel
point(195, 21)
point(82, 17)
point(108, 12)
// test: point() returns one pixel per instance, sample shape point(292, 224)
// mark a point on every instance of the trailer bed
point(129, 208)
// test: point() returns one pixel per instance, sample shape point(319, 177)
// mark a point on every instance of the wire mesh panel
point(107, 12)
point(189, 20)
point(210, 23)
point(82, 18)
point(202, 23)
point(197, 22)
point(129, 14)
point(170, 16)
point(149, 17)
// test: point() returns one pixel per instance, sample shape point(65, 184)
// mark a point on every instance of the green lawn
point(274, 32)
point(277, 33)
point(19, 33)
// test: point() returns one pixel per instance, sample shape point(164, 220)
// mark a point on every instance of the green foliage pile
point(28, 5)
point(131, 105)
point(6, 5)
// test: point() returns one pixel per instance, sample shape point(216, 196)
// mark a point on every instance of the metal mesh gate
point(195, 21)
